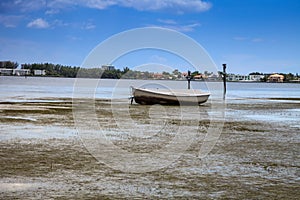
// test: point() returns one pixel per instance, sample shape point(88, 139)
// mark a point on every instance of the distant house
point(3, 63)
point(256, 77)
point(108, 67)
point(21, 72)
point(237, 77)
point(184, 74)
point(199, 76)
point(39, 72)
point(276, 78)
point(6, 72)
point(213, 77)
point(158, 76)
point(17, 72)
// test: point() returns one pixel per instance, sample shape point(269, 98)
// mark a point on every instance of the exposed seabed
point(255, 157)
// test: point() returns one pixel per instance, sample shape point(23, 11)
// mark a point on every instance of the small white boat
point(169, 97)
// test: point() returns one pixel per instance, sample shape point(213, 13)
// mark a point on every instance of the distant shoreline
point(296, 82)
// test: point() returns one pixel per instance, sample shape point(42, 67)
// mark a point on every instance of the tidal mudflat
point(255, 157)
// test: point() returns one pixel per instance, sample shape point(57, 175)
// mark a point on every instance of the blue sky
point(248, 35)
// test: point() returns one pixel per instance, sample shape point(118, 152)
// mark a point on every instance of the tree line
point(72, 72)
point(52, 69)
point(8, 64)
point(287, 77)
point(58, 70)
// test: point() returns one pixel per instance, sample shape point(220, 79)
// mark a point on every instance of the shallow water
point(19, 88)
point(43, 156)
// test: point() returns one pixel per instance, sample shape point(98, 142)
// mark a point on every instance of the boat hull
point(177, 97)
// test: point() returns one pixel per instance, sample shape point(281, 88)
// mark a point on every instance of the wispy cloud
point(238, 38)
point(88, 26)
point(172, 24)
point(10, 21)
point(23, 5)
point(158, 59)
point(73, 38)
point(175, 5)
point(38, 23)
point(178, 6)
point(167, 21)
point(257, 40)
point(183, 28)
point(60, 23)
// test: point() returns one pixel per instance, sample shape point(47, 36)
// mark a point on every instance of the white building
point(108, 67)
point(21, 72)
point(256, 77)
point(7, 72)
point(39, 72)
point(237, 77)
point(17, 72)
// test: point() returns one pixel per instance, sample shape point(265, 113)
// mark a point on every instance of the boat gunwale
point(171, 95)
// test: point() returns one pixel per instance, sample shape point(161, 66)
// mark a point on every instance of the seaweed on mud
point(251, 159)
point(244, 126)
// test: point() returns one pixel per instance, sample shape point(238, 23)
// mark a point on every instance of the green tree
point(255, 73)
point(125, 70)
point(176, 72)
point(288, 77)
point(11, 65)
point(195, 73)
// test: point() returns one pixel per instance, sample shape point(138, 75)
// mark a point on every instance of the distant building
point(237, 77)
point(6, 72)
point(39, 72)
point(3, 63)
point(184, 74)
point(230, 77)
point(17, 72)
point(276, 78)
point(158, 76)
point(213, 77)
point(108, 67)
point(21, 72)
point(199, 76)
point(256, 77)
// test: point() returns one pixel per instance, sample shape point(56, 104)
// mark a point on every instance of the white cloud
point(10, 21)
point(238, 38)
point(55, 6)
point(182, 28)
point(59, 23)
point(100, 4)
point(257, 40)
point(52, 11)
point(178, 6)
point(88, 26)
point(158, 59)
point(38, 23)
point(186, 28)
point(167, 21)
point(28, 5)
point(171, 24)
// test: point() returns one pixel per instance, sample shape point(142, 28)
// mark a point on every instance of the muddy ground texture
point(42, 156)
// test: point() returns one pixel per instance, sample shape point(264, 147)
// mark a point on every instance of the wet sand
point(255, 157)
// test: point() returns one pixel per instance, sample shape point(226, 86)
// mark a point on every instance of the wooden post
point(189, 79)
point(224, 80)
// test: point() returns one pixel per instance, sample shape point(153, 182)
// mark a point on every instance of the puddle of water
point(8, 132)
point(13, 187)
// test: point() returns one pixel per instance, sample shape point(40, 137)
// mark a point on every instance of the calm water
point(22, 89)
